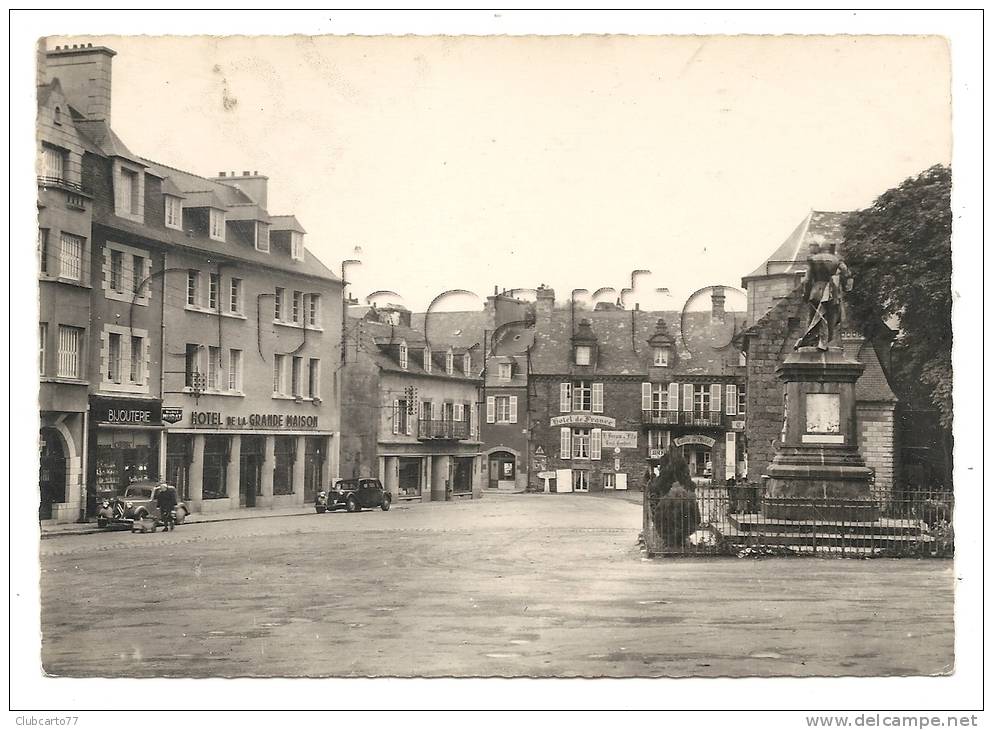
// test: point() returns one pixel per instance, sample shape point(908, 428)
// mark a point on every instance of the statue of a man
point(824, 286)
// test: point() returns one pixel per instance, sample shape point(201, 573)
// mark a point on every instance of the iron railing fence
point(716, 419)
point(443, 430)
point(741, 520)
point(61, 182)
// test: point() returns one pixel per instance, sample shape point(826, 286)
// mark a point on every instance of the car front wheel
point(101, 522)
point(385, 506)
point(321, 509)
point(352, 505)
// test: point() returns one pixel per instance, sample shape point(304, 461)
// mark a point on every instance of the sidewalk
point(245, 513)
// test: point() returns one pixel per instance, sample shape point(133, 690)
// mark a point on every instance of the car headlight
point(105, 503)
point(129, 505)
point(322, 494)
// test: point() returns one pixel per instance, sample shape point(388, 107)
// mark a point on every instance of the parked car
point(137, 503)
point(353, 495)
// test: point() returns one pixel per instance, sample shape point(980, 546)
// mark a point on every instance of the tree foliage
point(900, 252)
point(672, 471)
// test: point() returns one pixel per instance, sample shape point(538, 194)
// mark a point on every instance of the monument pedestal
point(818, 473)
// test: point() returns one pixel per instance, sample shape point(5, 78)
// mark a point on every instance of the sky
point(480, 162)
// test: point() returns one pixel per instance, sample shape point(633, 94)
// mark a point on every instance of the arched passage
point(502, 470)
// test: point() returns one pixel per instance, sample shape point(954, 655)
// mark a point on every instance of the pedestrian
point(166, 498)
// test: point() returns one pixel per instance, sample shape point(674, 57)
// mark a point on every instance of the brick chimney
point(717, 304)
point(84, 71)
point(252, 184)
point(543, 306)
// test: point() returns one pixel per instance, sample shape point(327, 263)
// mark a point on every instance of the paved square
point(532, 585)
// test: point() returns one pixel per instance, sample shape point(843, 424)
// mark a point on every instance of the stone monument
point(818, 473)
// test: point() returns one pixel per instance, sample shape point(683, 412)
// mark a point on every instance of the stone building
point(64, 279)
point(611, 391)
point(205, 321)
point(778, 315)
point(410, 410)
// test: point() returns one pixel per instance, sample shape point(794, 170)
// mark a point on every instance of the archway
point(502, 470)
point(52, 471)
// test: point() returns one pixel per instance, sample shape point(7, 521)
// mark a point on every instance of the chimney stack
point(717, 304)
point(253, 185)
point(84, 71)
point(544, 305)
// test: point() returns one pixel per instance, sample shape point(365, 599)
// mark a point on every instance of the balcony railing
point(61, 182)
point(442, 430)
point(712, 419)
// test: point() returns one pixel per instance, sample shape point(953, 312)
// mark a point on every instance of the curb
point(94, 530)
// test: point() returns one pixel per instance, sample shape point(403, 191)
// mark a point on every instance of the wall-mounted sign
point(695, 439)
point(738, 425)
point(655, 453)
point(126, 411)
point(268, 421)
point(583, 419)
point(172, 415)
point(539, 451)
point(620, 439)
point(546, 474)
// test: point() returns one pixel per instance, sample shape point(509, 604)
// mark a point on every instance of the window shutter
point(687, 396)
point(715, 398)
point(730, 441)
point(473, 417)
point(595, 444)
point(621, 481)
point(646, 396)
point(673, 396)
point(490, 409)
point(565, 397)
point(408, 422)
point(396, 416)
point(513, 409)
point(598, 397)
point(731, 400)
point(565, 443)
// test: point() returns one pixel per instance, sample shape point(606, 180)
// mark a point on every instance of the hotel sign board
point(620, 439)
point(583, 419)
point(695, 440)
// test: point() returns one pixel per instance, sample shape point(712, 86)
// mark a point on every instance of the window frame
point(234, 370)
point(42, 348)
point(216, 224)
point(587, 350)
point(581, 443)
point(582, 390)
point(75, 272)
point(296, 246)
point(173, 210)
point(505, 367)
point(213, 290)
point(260, 228)
point(234, 295)
point(64, 357)
point(192, 288)
point(314, 378)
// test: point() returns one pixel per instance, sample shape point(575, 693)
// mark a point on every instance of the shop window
point(462, 475)
point(216, 452)
point(282, 473)
point(179, 456)
point(409, 477)
point(124, 456)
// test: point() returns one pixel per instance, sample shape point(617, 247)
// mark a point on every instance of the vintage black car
point(136, 504)
point(353, 495)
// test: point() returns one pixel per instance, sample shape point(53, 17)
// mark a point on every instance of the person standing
point(166, 499)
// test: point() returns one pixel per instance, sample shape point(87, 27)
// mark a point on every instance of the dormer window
point(450, 363)
point(467, 364)
point(262, 236)
point(403, 355)
point(173, 212)
point(661, 359)
point(129, 192)
point(53, 163)
point(217, 224)
point(742, 359)
point(427, 359)
point(584, 354)
point(505, 370)
point(296, 245)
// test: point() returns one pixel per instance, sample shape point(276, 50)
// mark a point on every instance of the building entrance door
point(250, 483)
point(52, 472)
point(313, 468)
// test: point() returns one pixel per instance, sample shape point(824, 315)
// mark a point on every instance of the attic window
point(427, 359)
point(262, 236)
point(217, 224)
point(661, 357)
point(467, 364)
point(296, 245)
point(505, 370)
point(173, 212)
point(584, 354)
point(450, 363)
point(403, 355)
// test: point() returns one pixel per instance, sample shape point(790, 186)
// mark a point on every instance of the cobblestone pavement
point(538, 585)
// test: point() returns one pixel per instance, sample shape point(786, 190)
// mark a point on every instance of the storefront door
point(252, 455)
point(313, 468)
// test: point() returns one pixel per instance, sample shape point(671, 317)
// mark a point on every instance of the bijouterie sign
point(126, 412)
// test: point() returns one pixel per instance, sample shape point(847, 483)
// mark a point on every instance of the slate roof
point(285, 223)
point(464, 329)
point(381, 342)
point(704, 349)
point(790, 258)
point(100, 139)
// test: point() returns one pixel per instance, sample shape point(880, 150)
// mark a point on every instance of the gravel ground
point(524, 585)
